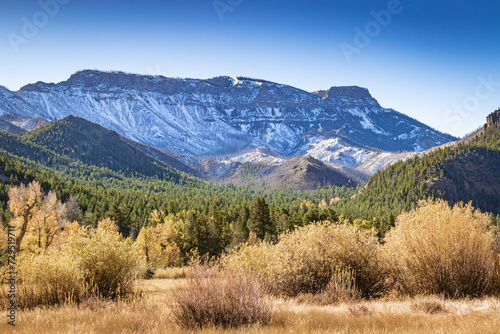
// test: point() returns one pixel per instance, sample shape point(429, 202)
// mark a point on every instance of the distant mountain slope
point(92, 144)
point(308, 173)
point(9, 127)
point(300, 173)
point(25, 123)
point(222, 115)
point(467, 171)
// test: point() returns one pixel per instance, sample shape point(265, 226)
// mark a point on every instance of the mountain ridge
point(81, 140)
point(199, 117)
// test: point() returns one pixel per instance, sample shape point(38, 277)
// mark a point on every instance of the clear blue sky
point(437, 61)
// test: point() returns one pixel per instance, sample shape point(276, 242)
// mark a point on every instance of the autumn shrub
point(341, 288)
point(250, 257)
point(309, 258)
point(109, 263)
point(438, 250)
point(45, 279)
point(218, 298)
point(93, 263)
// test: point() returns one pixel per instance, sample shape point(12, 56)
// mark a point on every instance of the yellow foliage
point(66, 264)
point(69, 230)
point(47, 279)
point(362, 224)
point(306, 204)
point(334, 200)
point(107, 224)
point(252, 257)
point(22, 199)
point(37, 219)
point(156, 217)
point(45, 224)
point(157, 243)
point(24, 203)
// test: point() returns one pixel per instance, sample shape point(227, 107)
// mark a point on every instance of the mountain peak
point(88, 78)
point(221, 81)
point(342, 92)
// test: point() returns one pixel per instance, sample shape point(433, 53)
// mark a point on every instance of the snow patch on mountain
point(258, 155)
point(366, 122)
point(364, 160)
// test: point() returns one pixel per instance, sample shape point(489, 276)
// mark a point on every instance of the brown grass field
point(152, 315)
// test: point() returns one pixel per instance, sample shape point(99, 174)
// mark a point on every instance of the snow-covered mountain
point(226, 115)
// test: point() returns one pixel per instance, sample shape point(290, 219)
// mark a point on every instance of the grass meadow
point(153, 314)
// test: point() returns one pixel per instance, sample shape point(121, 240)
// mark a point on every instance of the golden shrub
point(109, 263)
point(306, 260)
point(46, 279)
point(90, 263)
point(438, 250)
point(69, 230)
point(251, 257)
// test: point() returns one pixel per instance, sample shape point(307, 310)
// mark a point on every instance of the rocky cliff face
point(222, 115)
point(493, 118)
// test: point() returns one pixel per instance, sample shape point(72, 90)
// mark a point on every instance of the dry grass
point(171, 273)
point(151, 315)
point(96, 316)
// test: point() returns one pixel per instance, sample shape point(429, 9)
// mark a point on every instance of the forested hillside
point(468, 171)
point(92, 144)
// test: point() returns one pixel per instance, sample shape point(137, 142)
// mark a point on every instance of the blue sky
point(437, 61)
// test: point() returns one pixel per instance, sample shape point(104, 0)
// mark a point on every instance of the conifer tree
point(260, 221)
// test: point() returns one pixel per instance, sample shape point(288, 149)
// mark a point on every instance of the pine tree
point(240, 226)
point(260, 221)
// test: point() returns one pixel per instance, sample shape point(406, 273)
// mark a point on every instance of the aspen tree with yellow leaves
point(24, 203)
point(37, 219)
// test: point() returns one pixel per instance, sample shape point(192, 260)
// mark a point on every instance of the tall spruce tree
point(260, 221)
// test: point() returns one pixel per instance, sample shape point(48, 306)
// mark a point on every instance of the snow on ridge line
point(210, 120)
